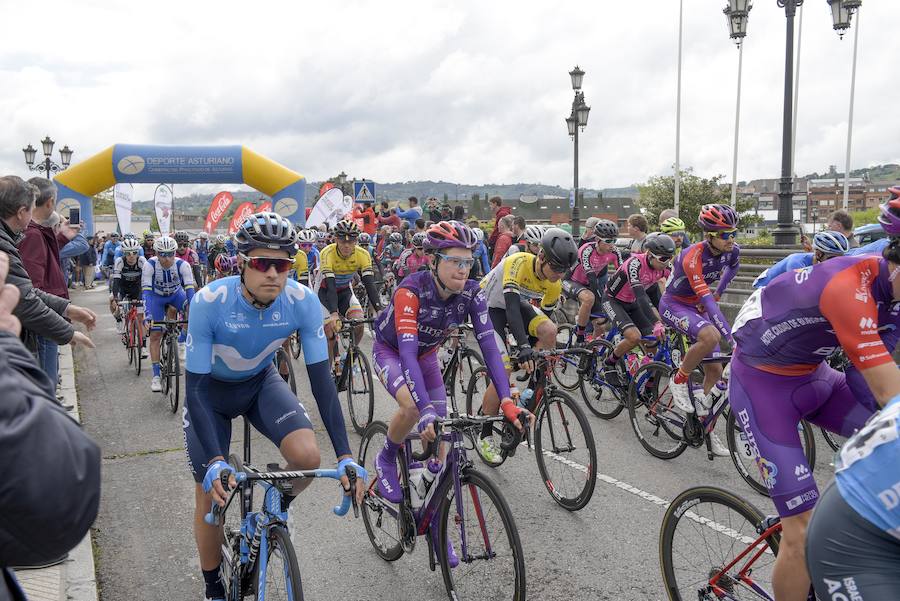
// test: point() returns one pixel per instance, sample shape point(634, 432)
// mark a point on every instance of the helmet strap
point(437, 278)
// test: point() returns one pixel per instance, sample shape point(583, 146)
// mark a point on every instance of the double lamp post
point(577, 119)
point(48, 167)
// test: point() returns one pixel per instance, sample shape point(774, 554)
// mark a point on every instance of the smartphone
point(75, 216)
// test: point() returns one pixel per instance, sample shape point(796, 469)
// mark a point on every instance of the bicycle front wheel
point(478, 384)
point(165, 381)
point(137, 345)
point(281, 580)
point(656, 420)
point(285, 369)
point(360, 391)
point(380, 518)
point(565, 370)
point(479, 530)
point(174, 374)
point(704, 530)
point(295, 345)
point(605, 400)
point(565, 451)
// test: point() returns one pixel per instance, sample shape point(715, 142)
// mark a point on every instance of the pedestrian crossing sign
point(364, 191)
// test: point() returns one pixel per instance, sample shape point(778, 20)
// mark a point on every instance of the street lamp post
point(737, 13)
point(577, 119)
point(842, 12)
point(48, 167)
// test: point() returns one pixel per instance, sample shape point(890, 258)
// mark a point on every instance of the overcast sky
point(470, 92)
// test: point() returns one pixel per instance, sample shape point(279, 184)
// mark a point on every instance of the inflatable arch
point(140, 164)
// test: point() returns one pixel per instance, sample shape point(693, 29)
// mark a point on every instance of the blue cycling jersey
point(232, 340)
point(107, 257)
point(789, 263)
point(867, 470)
point(872, 248)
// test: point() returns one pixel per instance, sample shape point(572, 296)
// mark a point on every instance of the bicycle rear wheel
point(565, 451)
point(656, 420)
point(282, 573)
point(602, 398)
point(379, 517)
point(745, 455)
point(360, 391)
point(478, 383)
point(704, 530)
point(835, 441)
point(469, 360)
point(482, 532)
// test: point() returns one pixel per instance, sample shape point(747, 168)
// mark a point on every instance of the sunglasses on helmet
point(264, 264)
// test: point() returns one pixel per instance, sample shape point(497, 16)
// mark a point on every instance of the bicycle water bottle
point(714, 395)
point(428, 476)
point(416, 486)
point(632, 363)
point(525, 398)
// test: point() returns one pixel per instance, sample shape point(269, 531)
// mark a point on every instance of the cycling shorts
point(265, 399)
point(627, 315)
point(769, 407)
point(348, 304)
point(849, 557)
point(571, 289)
point(156, 308)
point(390, 372)
point(132, 292)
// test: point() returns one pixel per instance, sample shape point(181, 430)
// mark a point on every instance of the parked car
point(869, 233)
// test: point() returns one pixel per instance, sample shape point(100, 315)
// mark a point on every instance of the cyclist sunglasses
point(130, 253)
point(608, 240)
point(347, 238)
point(665, 259)
point(165, 255)
point(726, 234)
point(263, 264)
point(465, 264)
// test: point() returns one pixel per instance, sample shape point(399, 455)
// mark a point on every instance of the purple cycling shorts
point(685, 318)
point(390, 372)
point(769, 407)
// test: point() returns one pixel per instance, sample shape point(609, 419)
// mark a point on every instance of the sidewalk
point(74, 579)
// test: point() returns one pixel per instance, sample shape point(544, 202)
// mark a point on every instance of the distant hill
point(890, 171)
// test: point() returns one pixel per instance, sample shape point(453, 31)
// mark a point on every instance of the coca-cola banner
point(243, 211)
point(266, 206)
point(217, 208)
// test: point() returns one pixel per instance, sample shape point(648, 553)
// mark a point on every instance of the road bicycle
point(458, 361)
point(169, 360)
point(133, 337)
point(258, 557)
point(353, 375)
point(716, 546)
point(477, 544)
point(565, 451)
point(282, 361)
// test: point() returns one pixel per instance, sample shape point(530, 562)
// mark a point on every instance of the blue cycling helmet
point(831, 243)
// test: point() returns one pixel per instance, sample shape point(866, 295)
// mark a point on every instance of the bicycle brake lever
point(354, 482)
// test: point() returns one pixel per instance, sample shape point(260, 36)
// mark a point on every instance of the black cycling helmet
point(182, 238)
point(558, 248)
point(606, 229)
point(660, 246)
point(266, 230)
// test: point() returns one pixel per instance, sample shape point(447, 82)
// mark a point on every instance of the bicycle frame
point(743, 575)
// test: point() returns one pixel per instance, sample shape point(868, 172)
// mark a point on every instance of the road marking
point(703, 521)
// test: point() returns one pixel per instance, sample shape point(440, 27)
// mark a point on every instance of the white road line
point(650, 497)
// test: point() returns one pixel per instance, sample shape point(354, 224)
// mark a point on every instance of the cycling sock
point(680, 377)
point(390, 449)
point(611, 360)
point(156, 369)
point(214, 587)
point(579, 333)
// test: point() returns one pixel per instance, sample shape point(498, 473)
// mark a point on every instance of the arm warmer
point(325, 392)
point(331, 296)
point(514, 318)
point(368, 281)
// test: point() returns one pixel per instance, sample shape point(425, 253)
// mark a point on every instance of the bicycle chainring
point(693, 431)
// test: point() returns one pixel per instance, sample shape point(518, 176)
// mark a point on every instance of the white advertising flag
point(330, 208)
point(162, 202)
point(124, 195)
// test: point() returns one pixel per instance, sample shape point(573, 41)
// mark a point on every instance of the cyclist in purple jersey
point(422, 312)
point(628, 297)
point(588, 281)
point(779, 376)
point(690, 307)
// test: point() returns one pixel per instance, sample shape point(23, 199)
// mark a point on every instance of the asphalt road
point(145, 548)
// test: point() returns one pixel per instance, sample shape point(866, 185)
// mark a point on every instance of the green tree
point(104, 203)
point(476, 208)
point(695, 191)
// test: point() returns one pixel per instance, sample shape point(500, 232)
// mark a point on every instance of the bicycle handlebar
point(454, 423)
point(213, 518)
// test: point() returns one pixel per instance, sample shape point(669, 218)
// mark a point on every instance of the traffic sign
point(364, 191)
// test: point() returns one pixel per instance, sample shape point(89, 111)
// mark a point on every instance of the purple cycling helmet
point(717, 217)
point(890, 213)
point(450, 234)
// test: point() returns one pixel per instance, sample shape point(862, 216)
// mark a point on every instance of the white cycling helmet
point(203, 236)
point(479, 233)
point(130, 245)
point(307, 236)
point(533, 234)
point(221, 238)
point(165, 244)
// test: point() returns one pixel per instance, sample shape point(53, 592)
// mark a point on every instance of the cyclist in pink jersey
point(628, 296)
point(587, 282)
point(691, 307)
point(413, 259)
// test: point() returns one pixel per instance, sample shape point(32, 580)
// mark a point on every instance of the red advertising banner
point(266, 206)
point(217, 208)
point(242, 212)
point(325, 188)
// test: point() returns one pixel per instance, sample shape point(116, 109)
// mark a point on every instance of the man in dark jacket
point(43, 450)
point(39, 249)
point(39, 312)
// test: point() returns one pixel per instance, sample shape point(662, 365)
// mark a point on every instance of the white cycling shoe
point(718, 448)
point(681, 396)
point(155, 384)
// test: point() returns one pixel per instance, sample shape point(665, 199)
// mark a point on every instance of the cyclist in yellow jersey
point(512, 285)
point(338, 263)
point(301, 267)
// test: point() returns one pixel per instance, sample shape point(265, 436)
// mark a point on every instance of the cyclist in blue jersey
point(118, 253)
point(826, 245)
point(168, 285)
point(482, 261)
point(423, 310)
point(853, 539)
point(201, 247)
point(237, 324)
point(108, 256)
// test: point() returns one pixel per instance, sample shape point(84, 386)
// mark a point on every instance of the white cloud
point(459, 91)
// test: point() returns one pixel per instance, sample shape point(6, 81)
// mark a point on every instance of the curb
point(80, 580)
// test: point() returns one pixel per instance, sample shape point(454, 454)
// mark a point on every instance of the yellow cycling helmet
point(672, 224)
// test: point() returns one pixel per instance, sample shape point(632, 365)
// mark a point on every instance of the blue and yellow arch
point(142, 164)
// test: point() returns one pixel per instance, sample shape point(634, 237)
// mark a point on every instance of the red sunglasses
point(263, 264)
